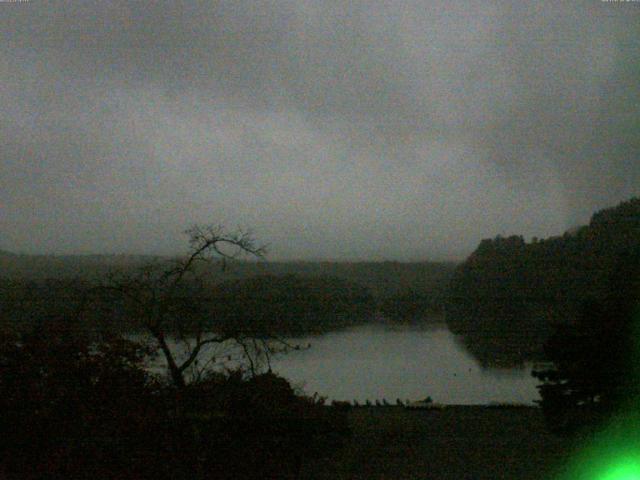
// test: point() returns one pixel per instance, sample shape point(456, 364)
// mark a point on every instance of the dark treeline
point(382, 278)
point(509, 295)
point(292, 304)
point(398, 290)
point(297, 297)
point(39, 267)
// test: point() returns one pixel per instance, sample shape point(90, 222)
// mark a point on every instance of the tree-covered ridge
point(507, 297)
point(290, 304)
point(400, 290)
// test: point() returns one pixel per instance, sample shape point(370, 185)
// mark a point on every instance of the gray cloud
point(352, 129)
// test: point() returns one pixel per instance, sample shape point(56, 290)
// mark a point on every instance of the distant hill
point(508, 295)
point(383, 278)
point(290, 304)
point(39, 267)
point(401, 291)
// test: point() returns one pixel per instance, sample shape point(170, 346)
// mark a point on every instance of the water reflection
point(377, 361)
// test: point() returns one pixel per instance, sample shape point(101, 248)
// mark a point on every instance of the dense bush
point(74, 407)
point(64, 400)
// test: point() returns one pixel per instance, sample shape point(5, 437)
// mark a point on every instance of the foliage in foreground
point(71, 408)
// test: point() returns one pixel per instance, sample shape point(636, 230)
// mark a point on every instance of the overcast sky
point(335, 130)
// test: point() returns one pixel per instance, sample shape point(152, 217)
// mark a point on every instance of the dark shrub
point(71, 406)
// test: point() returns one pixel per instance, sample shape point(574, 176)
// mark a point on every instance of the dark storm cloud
point(335, 129)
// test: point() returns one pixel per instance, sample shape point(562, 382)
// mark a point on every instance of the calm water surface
point(377, 361)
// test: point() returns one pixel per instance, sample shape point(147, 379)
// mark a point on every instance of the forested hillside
point(290, 304)
point(509, 294)
point(32, 284)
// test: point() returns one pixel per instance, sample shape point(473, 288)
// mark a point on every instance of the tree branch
point(196, 351)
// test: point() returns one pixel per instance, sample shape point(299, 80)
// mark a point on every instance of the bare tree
point(170, 299)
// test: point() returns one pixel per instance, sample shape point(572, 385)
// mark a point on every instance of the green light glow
point(612, 452)
point(625, 470)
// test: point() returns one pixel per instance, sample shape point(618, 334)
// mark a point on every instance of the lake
point(376, 361)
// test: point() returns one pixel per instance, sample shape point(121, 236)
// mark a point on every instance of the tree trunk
point(176, 374)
